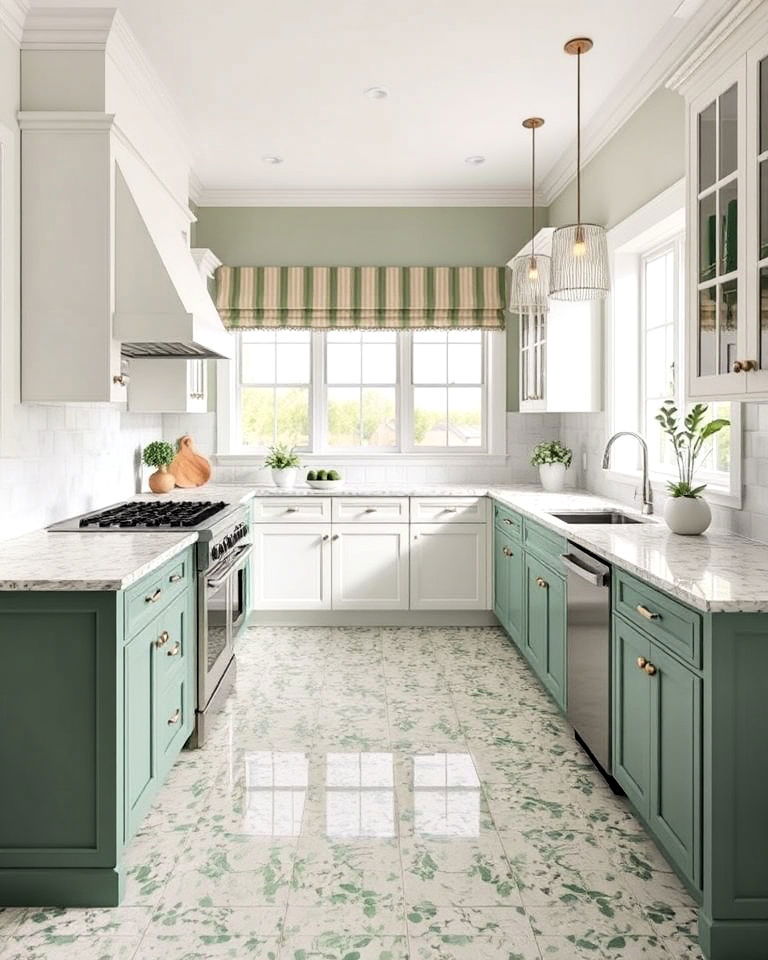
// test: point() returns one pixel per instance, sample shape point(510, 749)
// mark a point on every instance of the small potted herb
point(686, 512)
point(160, 454)
point(552, 459)
point(284, 463)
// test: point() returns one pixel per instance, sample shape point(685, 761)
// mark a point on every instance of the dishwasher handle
point(596, 578)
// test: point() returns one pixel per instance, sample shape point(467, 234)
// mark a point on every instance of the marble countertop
point(85, 561)
point(717, 572)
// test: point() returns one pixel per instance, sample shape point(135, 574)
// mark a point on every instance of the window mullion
point(404, 391)
point(318, 393)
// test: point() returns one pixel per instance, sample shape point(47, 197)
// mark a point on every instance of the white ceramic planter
point(552, 476)
point(285, 478)
point(688, 516)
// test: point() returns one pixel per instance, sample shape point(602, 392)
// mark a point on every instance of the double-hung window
point(368, 391)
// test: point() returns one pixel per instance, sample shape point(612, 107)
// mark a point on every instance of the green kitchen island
point(97, 697)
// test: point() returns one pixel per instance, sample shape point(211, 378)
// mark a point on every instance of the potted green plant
point(160, 454)
point(686, 512)
point(552, 459)
point(284, 463)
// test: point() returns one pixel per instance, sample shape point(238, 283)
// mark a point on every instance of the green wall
point(645, 156)
point(370, 236)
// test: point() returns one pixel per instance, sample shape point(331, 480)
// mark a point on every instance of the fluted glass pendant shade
point(579, 251)
point(579, 263)
point(529, 284)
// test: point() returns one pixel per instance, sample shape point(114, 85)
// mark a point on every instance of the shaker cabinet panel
point(448, 566)
point(291, 566)
point(631, 713)
point(369, 566)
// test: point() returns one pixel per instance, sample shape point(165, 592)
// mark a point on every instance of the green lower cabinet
point(98, 717)
point(545, 625)
point(657, 743)
point(508, 585)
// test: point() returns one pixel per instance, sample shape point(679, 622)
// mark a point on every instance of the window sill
point(717, 496)
point(370, 459)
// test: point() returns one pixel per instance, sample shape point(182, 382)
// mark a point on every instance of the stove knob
point(215, 552)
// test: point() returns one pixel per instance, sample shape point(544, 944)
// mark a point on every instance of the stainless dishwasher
point(589, 653)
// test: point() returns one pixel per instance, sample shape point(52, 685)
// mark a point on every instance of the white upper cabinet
point(727, 215)
point(560, 353)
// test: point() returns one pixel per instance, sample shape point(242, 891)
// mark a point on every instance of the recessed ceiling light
point(274, 160)
point(475, 160)
point(377, 93)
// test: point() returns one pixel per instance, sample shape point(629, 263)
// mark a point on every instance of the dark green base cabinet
point(96, 700)
point(690, 728)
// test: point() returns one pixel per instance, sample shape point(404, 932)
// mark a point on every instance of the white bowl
point(324, 484)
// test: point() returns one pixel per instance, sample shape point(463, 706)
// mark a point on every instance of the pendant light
point(580, 250)
point(529, 288)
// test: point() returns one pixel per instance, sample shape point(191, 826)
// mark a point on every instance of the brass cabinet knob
point(650, 669)
point(648, 614)
point(335, 536)
point(507, 552)
point(175, 717)
point(641, 662)
point(153, 598)
point(175, 650)
point(163, 639)
point(326, 538)
point(737, 366)
point(541, 582)
point(749, 365)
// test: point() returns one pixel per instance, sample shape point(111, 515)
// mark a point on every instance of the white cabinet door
point(291, 566)
point(370, 566)
point(449, 566)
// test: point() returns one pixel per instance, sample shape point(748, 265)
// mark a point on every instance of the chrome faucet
point(647, 492)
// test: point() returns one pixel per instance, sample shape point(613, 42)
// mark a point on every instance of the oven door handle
point(240, 558)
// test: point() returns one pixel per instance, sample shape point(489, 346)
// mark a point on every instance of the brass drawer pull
point(174, 578)
point(163, 639)
point(641, 662)
point(326, 538)
point(370, 510)
point(175, 650)
point(154, 597)
point(648, 614)
point(650, 669)
point(507, 521)
point(175, 717)
point(335, 536)
point(541, 582)
point(292, 510)
point(451, 510)
point(507, 552)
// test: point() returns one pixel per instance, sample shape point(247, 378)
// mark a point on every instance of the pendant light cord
point(533, 189)
point(578, 137)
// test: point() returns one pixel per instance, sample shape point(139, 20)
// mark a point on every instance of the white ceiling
point(286, 77)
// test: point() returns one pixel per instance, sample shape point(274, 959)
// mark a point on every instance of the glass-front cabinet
point(727, 355)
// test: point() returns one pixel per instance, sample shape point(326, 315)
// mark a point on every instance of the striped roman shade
point(400, 298)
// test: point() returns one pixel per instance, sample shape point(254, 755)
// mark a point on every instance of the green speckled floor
point(378, 794)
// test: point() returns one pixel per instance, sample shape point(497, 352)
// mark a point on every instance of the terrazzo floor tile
point(383, 794)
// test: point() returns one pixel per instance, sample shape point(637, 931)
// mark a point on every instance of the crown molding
point(364, 197)
point(721, 31)
point(13, 14)
point(71, 121)
point(663, 56)
point(206, 260)
point(68, 28)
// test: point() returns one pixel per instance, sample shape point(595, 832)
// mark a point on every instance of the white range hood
point(162, 305)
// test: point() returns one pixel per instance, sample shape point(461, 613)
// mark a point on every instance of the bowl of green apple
point(324, 479)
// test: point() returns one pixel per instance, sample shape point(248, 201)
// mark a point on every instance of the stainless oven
point(222, 610)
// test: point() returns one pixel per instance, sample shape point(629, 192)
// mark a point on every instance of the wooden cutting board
point(189, 467)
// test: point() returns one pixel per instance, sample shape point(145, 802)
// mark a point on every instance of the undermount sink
point(596, 516)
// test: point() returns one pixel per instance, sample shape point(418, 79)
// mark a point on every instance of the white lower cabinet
point(291, 566)
point(449, 566)
point(369, 566)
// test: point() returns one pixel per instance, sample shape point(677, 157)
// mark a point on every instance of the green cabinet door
point(501, 545)
point(675, 795)
point(545, 625)
point(631, 713)
point(140, 747)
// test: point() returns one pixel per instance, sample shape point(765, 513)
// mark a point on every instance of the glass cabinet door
point(718, 192)
point(533, 336)
point(761, 346)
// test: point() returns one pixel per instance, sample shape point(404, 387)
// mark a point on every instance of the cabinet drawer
point(671, 623)
point(171, 720)
point(174, 637)
point(145, 599)
point(369, 509)
point(292, 510)
point(548, 545)
point(508, 521)
point(448, 509)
